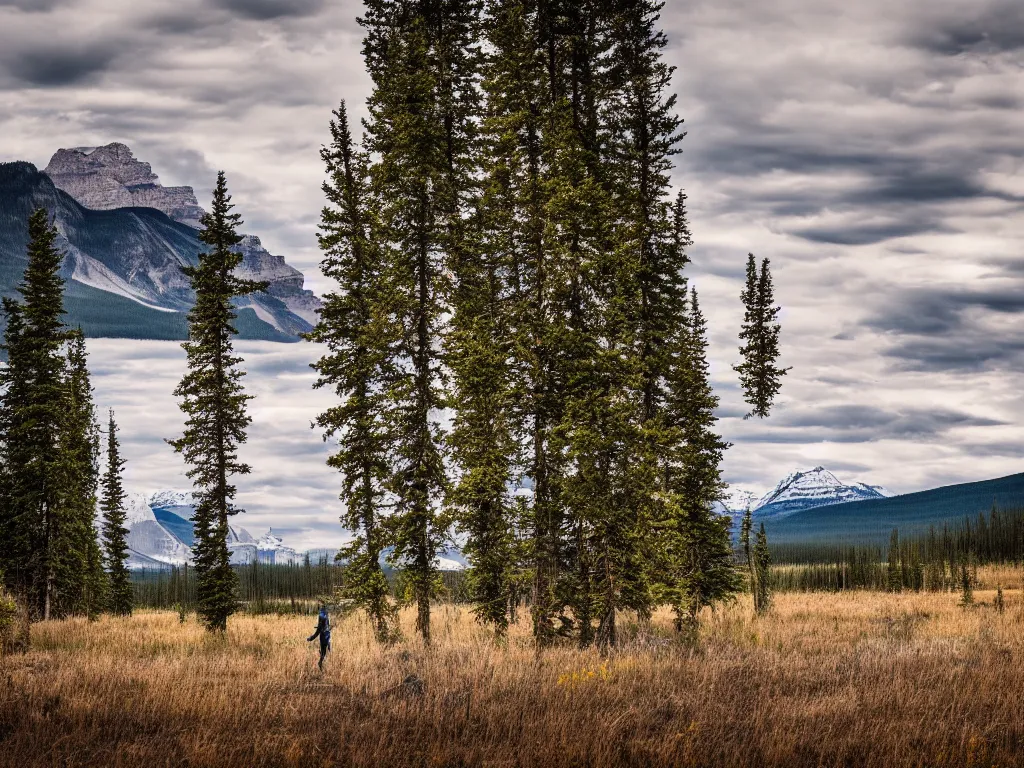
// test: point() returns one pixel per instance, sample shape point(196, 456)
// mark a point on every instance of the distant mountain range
point(802, 489)
point(870, 521)
point(160, 534)
point(126, 238)
point(812, 488)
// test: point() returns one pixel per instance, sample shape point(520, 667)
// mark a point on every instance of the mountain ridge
point(122, 266)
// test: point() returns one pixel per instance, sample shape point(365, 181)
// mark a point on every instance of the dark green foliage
point(762, 574)
point(923, 561)
point(214, 402)
point(274, 588)
point(423, 60)
point(34, 410)
point(355, 327)
point(49, 442)
point(760, 378)
point(79, 560)
point(966, 584)
point(700, 558)
point(528, 243)
point(895, 572)
point(119, 600)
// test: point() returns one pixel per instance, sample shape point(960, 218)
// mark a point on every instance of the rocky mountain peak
point(108, 177)
point(111, 177)
point(815, 487)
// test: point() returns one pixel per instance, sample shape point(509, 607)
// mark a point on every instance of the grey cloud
point(858, 423)
point(32, 6)
point(866, 234)
point(264, 10)
point(942, 310)
point(51, 65)
point(989, 27)
point(947, 328)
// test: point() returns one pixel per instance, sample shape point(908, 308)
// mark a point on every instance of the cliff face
point(123, 266)
point(111, 178)
point(103, 178)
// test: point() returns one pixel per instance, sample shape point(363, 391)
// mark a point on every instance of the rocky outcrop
point(111, 177)
point(104, 178)
point(123, 267)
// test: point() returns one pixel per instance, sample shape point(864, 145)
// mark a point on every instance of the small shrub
point(14, 624)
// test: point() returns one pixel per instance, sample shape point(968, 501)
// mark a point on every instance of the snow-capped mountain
point(171, 499)
point(812, 488)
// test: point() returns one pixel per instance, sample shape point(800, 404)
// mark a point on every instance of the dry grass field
point(826, 680)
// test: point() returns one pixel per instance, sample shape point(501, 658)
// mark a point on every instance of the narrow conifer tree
point(80, 560)
point(120, 599)
point(214, 402)
point(895, 575)
point(355, 327)
point(746, 528)
point(701, 568)
point(762, 565)
point(760, 377)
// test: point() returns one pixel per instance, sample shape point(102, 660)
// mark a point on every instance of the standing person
point(323, 631)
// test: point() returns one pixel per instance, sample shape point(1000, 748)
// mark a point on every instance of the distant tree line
point(277, 588)
point(509, 250)
point(939, 560)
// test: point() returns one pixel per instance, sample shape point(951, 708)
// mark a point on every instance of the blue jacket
point(323, 629)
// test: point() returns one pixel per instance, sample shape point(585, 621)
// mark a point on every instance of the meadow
point(848, 679)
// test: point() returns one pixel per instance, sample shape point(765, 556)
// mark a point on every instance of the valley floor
point(826, 680)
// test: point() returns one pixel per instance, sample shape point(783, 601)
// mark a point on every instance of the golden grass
point(827, 680)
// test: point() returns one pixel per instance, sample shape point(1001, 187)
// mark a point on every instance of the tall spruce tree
point(762, 569)
point(120, 600)
point(746, 528)
point(423, 59)
point(760, 377)
point(356, 328)
point(514, 235)
point(214, 402)
point(700, 566)
point(35, 532)
point(79, 560)
point(523, 87)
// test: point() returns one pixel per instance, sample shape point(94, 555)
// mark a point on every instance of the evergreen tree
point(966, 583)
point(79, 561)
point(34, 408)
point(120, 600)
point(762, 567)
point(701, 571)
point(895, 574)
point(760, 378)
point(355, 327)
point(423, 58)
point(214, 401)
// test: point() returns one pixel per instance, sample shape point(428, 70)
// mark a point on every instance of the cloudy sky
point(872, 150)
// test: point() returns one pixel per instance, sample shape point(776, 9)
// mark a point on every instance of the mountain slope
point(870, 522)
point(123, 266)
point(812, 488)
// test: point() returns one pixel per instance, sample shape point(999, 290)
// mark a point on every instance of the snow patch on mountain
point(171, 499)
point(817, 487)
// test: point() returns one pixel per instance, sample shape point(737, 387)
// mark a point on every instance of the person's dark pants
point(325, 645)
